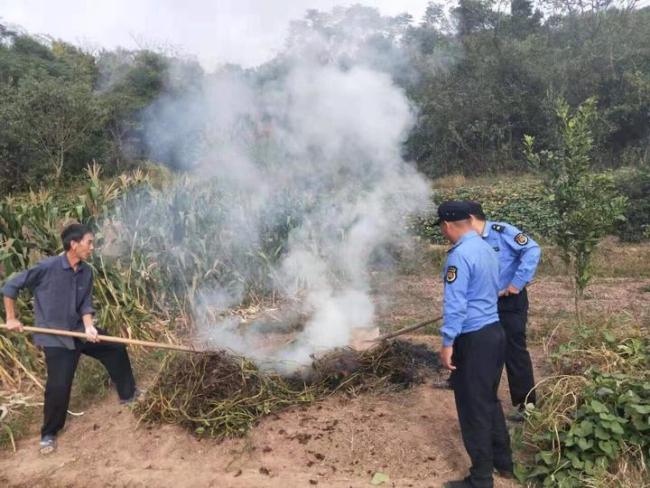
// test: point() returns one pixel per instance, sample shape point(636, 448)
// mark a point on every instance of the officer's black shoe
point(464, 483)
point(517, 415)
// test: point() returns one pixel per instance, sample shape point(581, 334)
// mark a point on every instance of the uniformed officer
point(473, 345)
point(518, 259)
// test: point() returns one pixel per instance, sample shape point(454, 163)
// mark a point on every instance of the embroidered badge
point(521, 239)
point(451, 274)
point(497, 227)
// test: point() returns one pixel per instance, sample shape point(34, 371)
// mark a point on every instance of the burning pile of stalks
point(219, 395)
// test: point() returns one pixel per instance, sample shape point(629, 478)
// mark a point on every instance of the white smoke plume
point(322, 133)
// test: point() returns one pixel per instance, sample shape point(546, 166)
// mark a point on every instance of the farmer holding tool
point(473, 345)
point(518, 259)
point(62, 290)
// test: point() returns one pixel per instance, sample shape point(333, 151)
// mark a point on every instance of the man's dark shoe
point(137, 395)
point(47, 444)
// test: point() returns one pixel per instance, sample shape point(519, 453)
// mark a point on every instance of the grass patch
point(612, 259)
point(453, 182)
point(549, 328)
point(590, 427)
point(619, 260)
point(18, 414)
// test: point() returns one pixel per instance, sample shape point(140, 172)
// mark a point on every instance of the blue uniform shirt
point(61, 297)
point(471, 280)
point(518, 254)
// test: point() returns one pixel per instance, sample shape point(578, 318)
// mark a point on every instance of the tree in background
point(52, 119)
point(129, 82)
point(48, 109)
point(496, 71)
point(479, 75)
point(587, 203)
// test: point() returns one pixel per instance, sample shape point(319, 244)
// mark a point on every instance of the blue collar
point(467, 236)
point(486, 229)
point(65, 264)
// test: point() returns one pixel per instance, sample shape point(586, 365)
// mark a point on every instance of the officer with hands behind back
point(518, 257)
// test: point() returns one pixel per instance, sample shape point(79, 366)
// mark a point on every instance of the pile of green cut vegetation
point(220, 395)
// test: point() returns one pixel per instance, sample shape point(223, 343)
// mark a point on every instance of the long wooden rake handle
point(105, 338)
point(411, 328)
point(405, 330)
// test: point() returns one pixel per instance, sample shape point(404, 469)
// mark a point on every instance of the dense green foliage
point(162, 241)
point(635, 185)
point(594, 412)
point(525, 205)
point(480, 78)
point(63, 108)
point(29, 230)
point(193, 233)
point(510, 69)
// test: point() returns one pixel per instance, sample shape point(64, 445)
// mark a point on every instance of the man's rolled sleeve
point(87, 302)
point(455, 299)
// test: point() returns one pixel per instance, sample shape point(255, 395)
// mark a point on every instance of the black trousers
point(479, 357)
point(513, 315)
point(61, 365)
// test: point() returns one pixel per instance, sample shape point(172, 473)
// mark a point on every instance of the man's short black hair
point(74, 232)
point(475, 209)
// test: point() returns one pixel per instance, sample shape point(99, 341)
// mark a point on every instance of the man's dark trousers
point(479, 357)
point(513, 315)
point(61, 365)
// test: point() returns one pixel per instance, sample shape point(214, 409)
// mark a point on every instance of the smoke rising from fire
point(318, 143)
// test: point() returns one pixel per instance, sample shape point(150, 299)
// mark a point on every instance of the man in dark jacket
point(62, 290)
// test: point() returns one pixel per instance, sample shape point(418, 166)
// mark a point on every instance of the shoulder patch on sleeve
point(521, 239)
point(497, 227)
point(452, 274)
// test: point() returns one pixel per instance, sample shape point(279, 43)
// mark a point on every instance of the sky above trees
point(246, 32)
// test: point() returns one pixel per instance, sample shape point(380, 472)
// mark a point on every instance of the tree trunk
point(577, 299)
point(58, 167)
point(578, 292)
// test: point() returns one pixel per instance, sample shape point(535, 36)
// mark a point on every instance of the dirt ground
point(412, 436)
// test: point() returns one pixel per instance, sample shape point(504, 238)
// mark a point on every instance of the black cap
point(452, 211)
point(475, 209)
